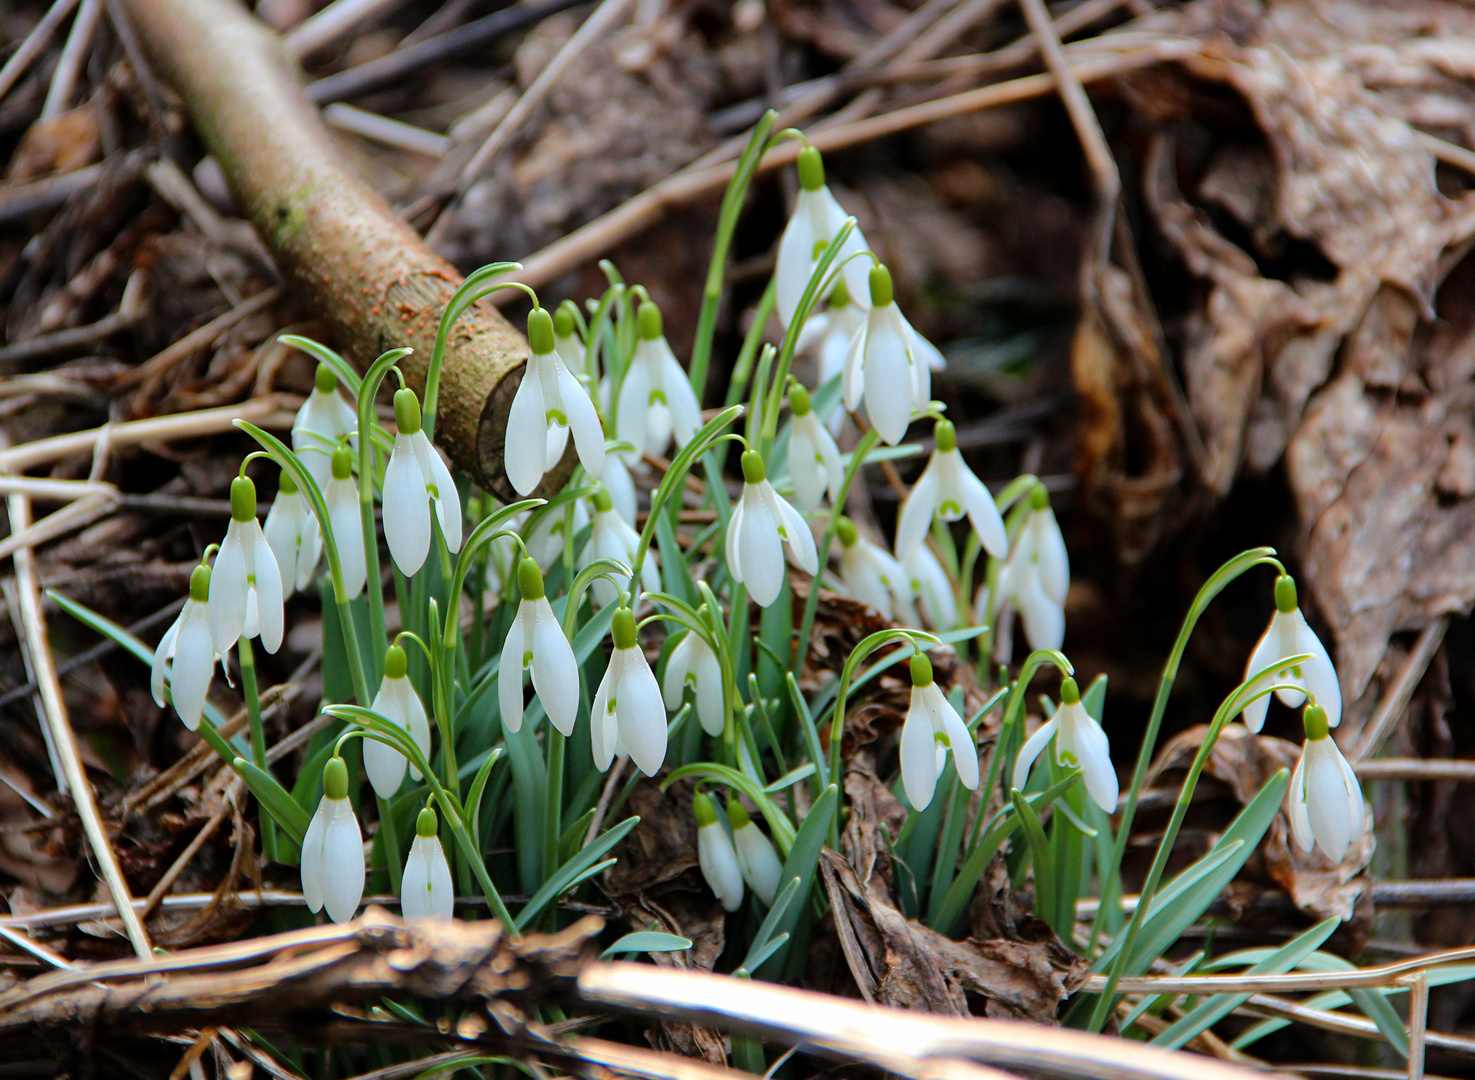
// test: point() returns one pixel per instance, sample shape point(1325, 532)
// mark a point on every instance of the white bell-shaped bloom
point(322, 424)
point(425, 890)
point(628, 716)
point(1079, 743)
point(1286, 636)
point(246, 584)
point(555, 532)
point(931, 729)
point(566, 340)
point(761, 527)
point(613, 538)
point(885, 367)
point(693, 663)
point(873, 577)
point(656, 398)
point(1326, 804)
point(817, 220)
point(814, 459)
point(827, 334)
point(187, 642)
point(346, 521)
point(948, 489)
point(398, 703)
point(716, 855)
point(536, 641)
point(756, 857)
point(292, 533)
point(1035, 577)
point(333, 867)
point(415, 478)
point(549, 404)
point(932, 588)
point(621, 487)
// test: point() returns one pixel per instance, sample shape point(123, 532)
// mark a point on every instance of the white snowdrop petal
point(1044, 621)
point(917, 512)
point(760, 551)
point(509, 669)
point(1265, 653)
point(804, 465)
point(194, 663)
point(1286, 631)
point(268, 585)
point(718, 860)
point(416, 719)
point(1300, 820)
point(797, 536)
point(1326, 800)
point(888, 391)
point(348, 532)
point(795, 262)
point(343, 863)
point(1318, 674)
point(312, 858)
point(555, 671)
point(163, 652)
point(918, 753)
point(583, 423)
point(632, 420)
point(983, 514)
point(282, 529)
point(1050, 554)
point(442, 889)
point(681, 401)
point(621, 488)
point(447, 498)
point(1031, 750)
point(965, 751)
point(414, 888)
point(731, 550)
point(852, 371)
point(227, 604)
point(640, 713)
point(406, 509)
point(385, 765)
point(711, 711)
point(758, 861)
point(602, 726)
point(678, 664)
point(527, 433)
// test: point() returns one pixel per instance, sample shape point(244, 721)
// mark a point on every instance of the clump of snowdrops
point(551, 652)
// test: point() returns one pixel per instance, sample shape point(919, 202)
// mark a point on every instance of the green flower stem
point(732, 206)
point(553, 806)
point(368, 391)
point(470, 291)
point(394, 862)
point(1234, 568)
point(258, 737)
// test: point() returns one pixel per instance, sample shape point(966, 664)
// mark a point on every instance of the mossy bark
point(347, 255)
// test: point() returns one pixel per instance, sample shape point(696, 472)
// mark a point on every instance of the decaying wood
point(347, 254)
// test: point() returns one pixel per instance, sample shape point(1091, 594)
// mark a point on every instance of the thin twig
point(166, 882)
point(73, 56)
point(1418, 1023)
point(63, 736)
point(1459, 770)
point(35, 41)
point(1329, 1020)
point(1400, 691)
point(382, 129)
point(157, 365)
point(336, 20)
point(69, 518)
point(27, 199)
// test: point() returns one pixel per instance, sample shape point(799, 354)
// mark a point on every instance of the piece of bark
point(346, 253)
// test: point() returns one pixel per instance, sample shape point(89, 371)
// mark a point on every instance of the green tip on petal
point(540, 331)
point(651, 326)
point(753, 470)
point(921, 670)
point(342, 463)
point(702, 808)
point(530, 578)
point(882, 293)
point(243, 499)
point(846, 531)
point(325, 380)
point(622, 629)
point(199, 584)
point(1039, 498)
point(799, 402)
point(563, 320)
point(1285, 594)
point(602, 501)
point(396, 663)
point(946, 435)
point(1315, 722)
point(335, 778)
point(839, 295)
point(1070, 693)
point(737, 815)
point(427, 824)
point(406, 411)
point(811, 169)
point(286, 485)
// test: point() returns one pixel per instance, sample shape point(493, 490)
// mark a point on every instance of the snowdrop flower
point(693, 663)
point(1288, 635)
point(716, 855)
point(948, 489)
point(1036, 575)
point(323, 422)
point(628, 715)
point(814, 459)
point(932, 728)
point(187, 642)
point(884, 365)
point(414, 478)
point(245, 585)
point(873, 577)
point(292, 533)
point(398, 703)
point(756, 858)
point(656, 398)
point(613, 538)
point(1079, 743)
point(828, 333)
point(347, 523)
point(1326, 799)
point(549, 404)
point(621, 487)
point(425, 890)
point(932, 587)
point(566, 342)
point(758, 531)
point(536, 641)
point(817, 219)
point(554, 532)
point(333, 867)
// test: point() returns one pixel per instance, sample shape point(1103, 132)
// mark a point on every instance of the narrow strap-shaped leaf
point(273, 798)
point(802, 863)
point(644, 941)
point(573, 871)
